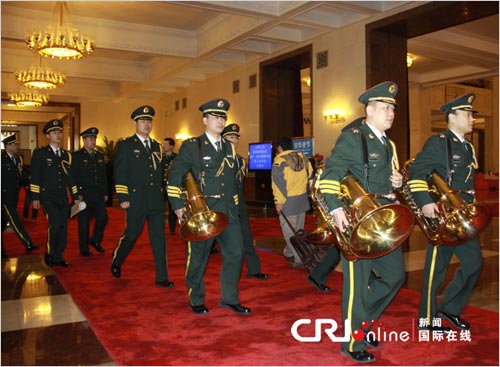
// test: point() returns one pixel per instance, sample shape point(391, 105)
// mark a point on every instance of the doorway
point(285, 105)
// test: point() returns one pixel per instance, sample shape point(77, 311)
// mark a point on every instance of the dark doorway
point(281, 95)
point(281, 105)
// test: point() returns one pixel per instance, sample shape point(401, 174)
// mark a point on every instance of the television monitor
point(260, 156)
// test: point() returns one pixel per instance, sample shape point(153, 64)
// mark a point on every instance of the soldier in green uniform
point(232, 133)
point(168, 157)
point(12, 178)
point(89, 171)
point(452, 157)
point(212, 161)
point(51, 177)
point(365, 298)
point(139, 173)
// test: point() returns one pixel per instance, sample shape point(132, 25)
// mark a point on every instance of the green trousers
point(457, 292)
point(197, 254)
point(364, 297)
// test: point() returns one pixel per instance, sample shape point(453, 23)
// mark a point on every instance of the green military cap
point(231, 129)
point(10, 139)
point(383, 92)
point(216, 107)
point(52, 125)
point(143, 112)
point(91, 131)
point(461, 103)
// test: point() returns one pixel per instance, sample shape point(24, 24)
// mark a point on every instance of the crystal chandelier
point(60, 39)
point(28, 97)
point(39, 77)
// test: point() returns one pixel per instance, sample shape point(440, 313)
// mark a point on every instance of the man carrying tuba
point(373, 163)
point(212, 161)
point(452, 157)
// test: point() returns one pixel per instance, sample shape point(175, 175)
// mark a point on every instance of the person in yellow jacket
point(290, 174)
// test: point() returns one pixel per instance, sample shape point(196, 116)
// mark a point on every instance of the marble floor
point(41, 325)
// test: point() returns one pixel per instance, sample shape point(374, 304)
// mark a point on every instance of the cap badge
point(56, 122)
point(145, 110)
point(470, 99)
point(220, 104)
point(233, 127)
point(392, 88)
point(93, 130)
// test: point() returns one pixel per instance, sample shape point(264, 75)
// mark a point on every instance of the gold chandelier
point(29, 97)
point(39, 77)
point(60, 39)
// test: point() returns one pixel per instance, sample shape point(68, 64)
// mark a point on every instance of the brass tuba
point(457, 221)
point(375, 229)
point(199, 223)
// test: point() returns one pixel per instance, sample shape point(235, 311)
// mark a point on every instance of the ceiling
point(148, 49)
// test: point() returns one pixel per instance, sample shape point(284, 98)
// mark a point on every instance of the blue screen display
point(260, 156)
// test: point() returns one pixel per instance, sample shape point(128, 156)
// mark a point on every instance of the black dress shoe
point(97, 246)
point(320, 287)
point(361, 356)
point(62, 263)
point(200, 309)
point(258, 276)
point(165, 284)
point(238, 308)
point(455, 320)
point(371, 341)
point(86, 253)
point(31, 247)
point(48, 260)
point(116, 270)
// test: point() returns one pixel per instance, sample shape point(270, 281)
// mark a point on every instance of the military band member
point(12, 179)
point(168, 158)
point(89, 171)
point(364, 298)
point(51, 177)
point(232, 133)
point(443, 153)
point(139, 173)
point(212, 161)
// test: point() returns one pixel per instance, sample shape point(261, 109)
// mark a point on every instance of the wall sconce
point(334, 116)
point(409, 60)
point(181, 136)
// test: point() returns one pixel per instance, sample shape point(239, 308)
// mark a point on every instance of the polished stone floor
point(41, 325)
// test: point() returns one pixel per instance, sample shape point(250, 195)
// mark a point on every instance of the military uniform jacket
point(434, 158)
point(51, 175)
point(138, 174)
point(12, 178)
point(347, 158)
point(220, 170)
point(90, 173)
point(167, 163)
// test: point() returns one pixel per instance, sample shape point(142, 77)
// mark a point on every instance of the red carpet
point(141, 324)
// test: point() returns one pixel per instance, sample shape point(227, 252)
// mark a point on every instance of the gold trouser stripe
point(121, 238)
point(429, 286)
point(188, 260)
point(48, 234)
point(14, 225)
point(351, 300)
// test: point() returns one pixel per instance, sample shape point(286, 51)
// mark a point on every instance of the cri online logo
point(371, 330)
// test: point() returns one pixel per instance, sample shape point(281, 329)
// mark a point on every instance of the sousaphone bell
point(199, 223)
